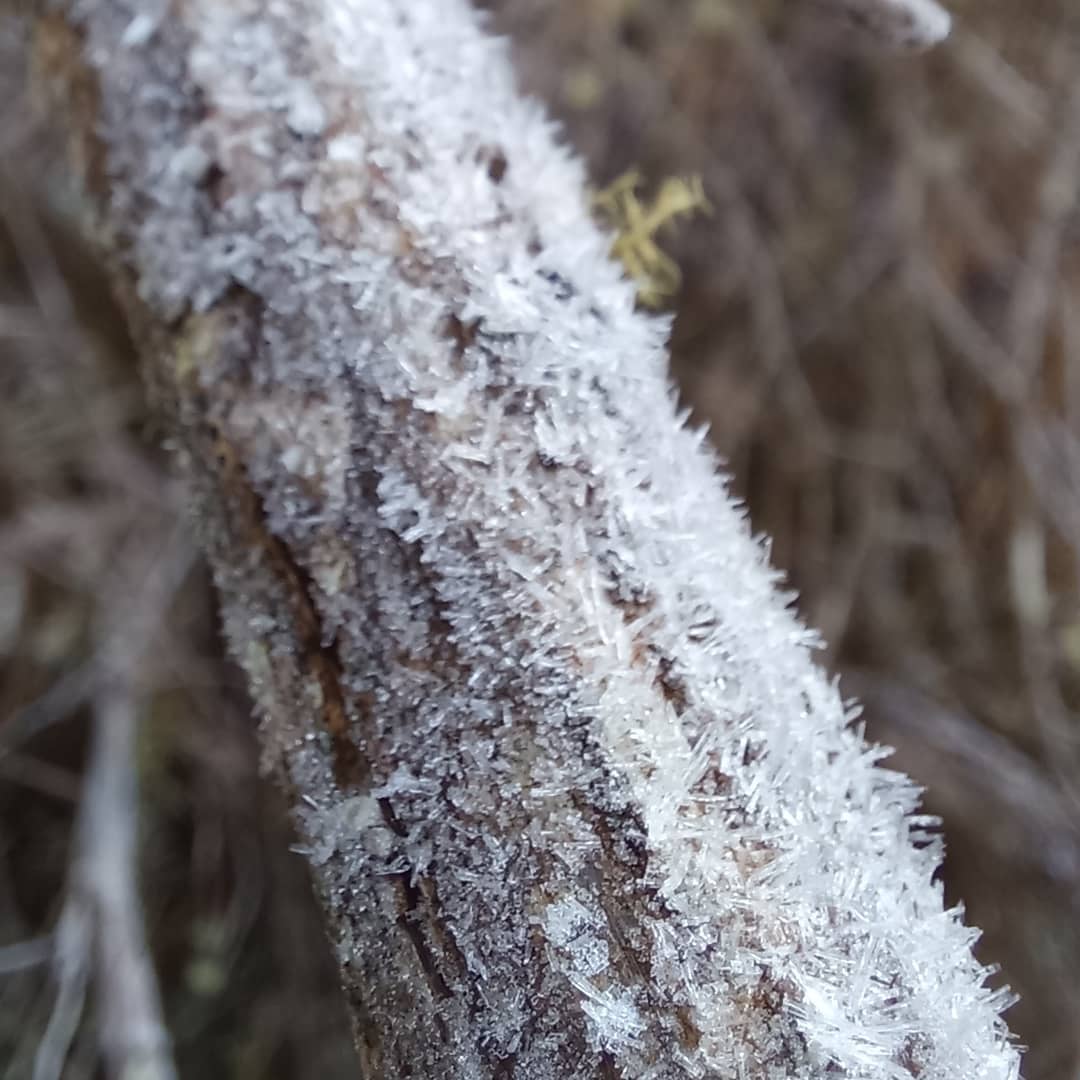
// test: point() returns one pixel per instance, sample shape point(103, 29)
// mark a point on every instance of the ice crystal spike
point(611, 815)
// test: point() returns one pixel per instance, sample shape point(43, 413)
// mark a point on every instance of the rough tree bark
point(578, 801)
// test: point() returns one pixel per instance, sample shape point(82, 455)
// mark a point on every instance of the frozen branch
point(578, 800)
point(896, 24)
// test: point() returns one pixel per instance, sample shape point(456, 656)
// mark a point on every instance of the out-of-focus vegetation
point(879, 323)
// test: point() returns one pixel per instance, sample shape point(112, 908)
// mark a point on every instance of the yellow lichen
point(636, 224)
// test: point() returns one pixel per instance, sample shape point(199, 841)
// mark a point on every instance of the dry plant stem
point(133, 1037)
point(99, 939)
point(100, 934)
point(25, 954)
point(578, 801)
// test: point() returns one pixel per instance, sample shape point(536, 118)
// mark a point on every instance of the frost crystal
point(584, 805)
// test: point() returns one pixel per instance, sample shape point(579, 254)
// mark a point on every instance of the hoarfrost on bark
point(584, 801)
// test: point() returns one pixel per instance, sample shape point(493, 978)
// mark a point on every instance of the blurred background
point(879, 322)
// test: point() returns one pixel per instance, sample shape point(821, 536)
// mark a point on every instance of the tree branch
point(895, 24)
point(578, 800)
